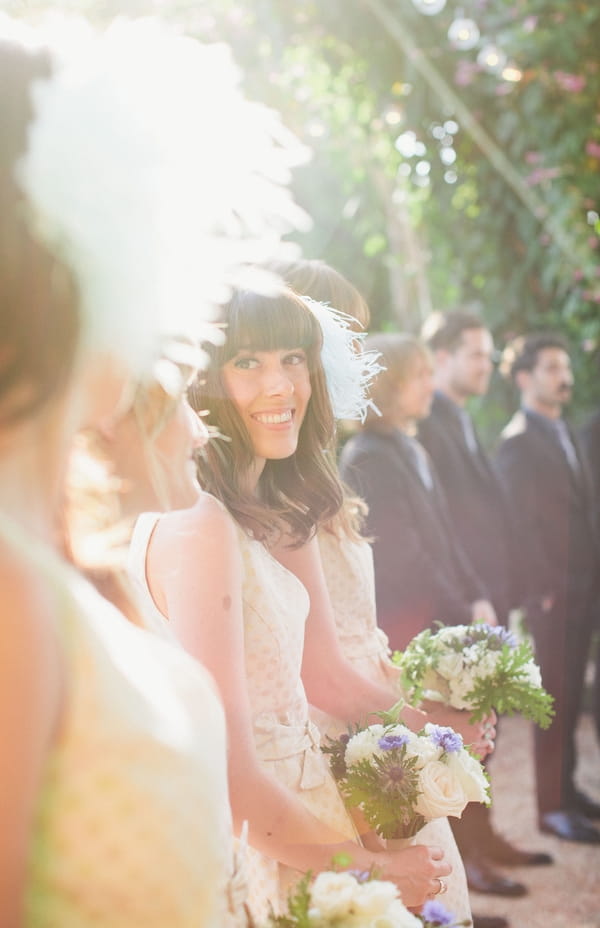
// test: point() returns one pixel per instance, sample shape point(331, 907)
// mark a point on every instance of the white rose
point(450, 665)
point(442, 793)
point(470, 774)
point(459, 688)
point(374, 897)
point(397, 916)
point(364, 745)
point(434, 682)
point(332, 895)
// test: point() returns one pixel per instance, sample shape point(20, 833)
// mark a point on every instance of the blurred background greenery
point(456, 152)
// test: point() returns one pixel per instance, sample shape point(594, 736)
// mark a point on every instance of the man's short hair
point(444, 331)
point(522, 353)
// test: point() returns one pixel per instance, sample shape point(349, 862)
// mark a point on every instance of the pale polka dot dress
point(132, 828)
point(275, 608)
point(348, 568)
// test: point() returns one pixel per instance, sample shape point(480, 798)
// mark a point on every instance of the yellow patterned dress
point(348, 568)
point(133, 825)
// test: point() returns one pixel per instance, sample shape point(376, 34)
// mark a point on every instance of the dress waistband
point(277, 740)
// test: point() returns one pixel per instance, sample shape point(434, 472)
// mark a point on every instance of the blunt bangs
point(258, 323)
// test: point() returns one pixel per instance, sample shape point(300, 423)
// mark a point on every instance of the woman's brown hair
point(296, 494)
point(314, 278)
point(398, 352)
point(317, 279)
point(39, 311)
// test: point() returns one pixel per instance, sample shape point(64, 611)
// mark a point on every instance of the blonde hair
point(97, 526)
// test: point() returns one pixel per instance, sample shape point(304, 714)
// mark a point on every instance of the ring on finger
point(443, 886)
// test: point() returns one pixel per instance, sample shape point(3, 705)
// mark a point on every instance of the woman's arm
point(30, 701)
point(332, 683)
point(194, 559)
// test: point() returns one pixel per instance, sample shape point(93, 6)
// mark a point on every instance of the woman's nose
point(277, 382)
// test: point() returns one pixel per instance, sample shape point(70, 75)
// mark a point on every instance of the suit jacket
point(476, 500)
point(590, 439)
point(421, 572)
point(556, 538)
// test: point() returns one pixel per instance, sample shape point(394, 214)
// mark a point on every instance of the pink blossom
point(542, 174)
point(533, 157)
point(578, 274)
point(592, 241)
point(592, 295)
point(465, 73)
point(592, 148)
point(572, 83)
point(530, 23)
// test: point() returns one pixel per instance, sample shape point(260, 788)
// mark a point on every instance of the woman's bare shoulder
point(205, 524)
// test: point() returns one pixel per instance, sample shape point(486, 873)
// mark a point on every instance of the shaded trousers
point(562, 643)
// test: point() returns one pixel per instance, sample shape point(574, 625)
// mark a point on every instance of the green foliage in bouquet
point(383, 787)
point(361, 785)
point(298, 906)
point(478, 668)
point(512, 692)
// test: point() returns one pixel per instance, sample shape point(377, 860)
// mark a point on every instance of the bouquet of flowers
point(356, 900)
point(476, 667)
point(401, 780)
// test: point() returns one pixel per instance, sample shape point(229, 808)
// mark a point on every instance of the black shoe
point(489, 921)
point(503, 852)
point(483, 879)
point(587, 806)
point(570, 826)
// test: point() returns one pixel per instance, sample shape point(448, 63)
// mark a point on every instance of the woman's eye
point(296, 357)
point(245, 364)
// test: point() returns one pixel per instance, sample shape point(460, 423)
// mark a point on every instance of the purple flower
point(389, 742)
point(361, 876)
point(446, 738)
point(504, 636)
point(436, 914)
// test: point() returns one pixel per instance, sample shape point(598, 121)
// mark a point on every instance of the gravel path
point(567, 894)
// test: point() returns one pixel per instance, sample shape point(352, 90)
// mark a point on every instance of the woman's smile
point(271, 391)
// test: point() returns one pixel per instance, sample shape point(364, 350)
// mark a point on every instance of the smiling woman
point(218, 572)
point(265, 390)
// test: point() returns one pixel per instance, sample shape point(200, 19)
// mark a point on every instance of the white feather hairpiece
point(155, 180)
point(349, 370)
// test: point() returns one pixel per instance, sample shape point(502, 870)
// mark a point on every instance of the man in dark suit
point(463, 349)
point(590, 439)
point(422, 573)
point(545, 473)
